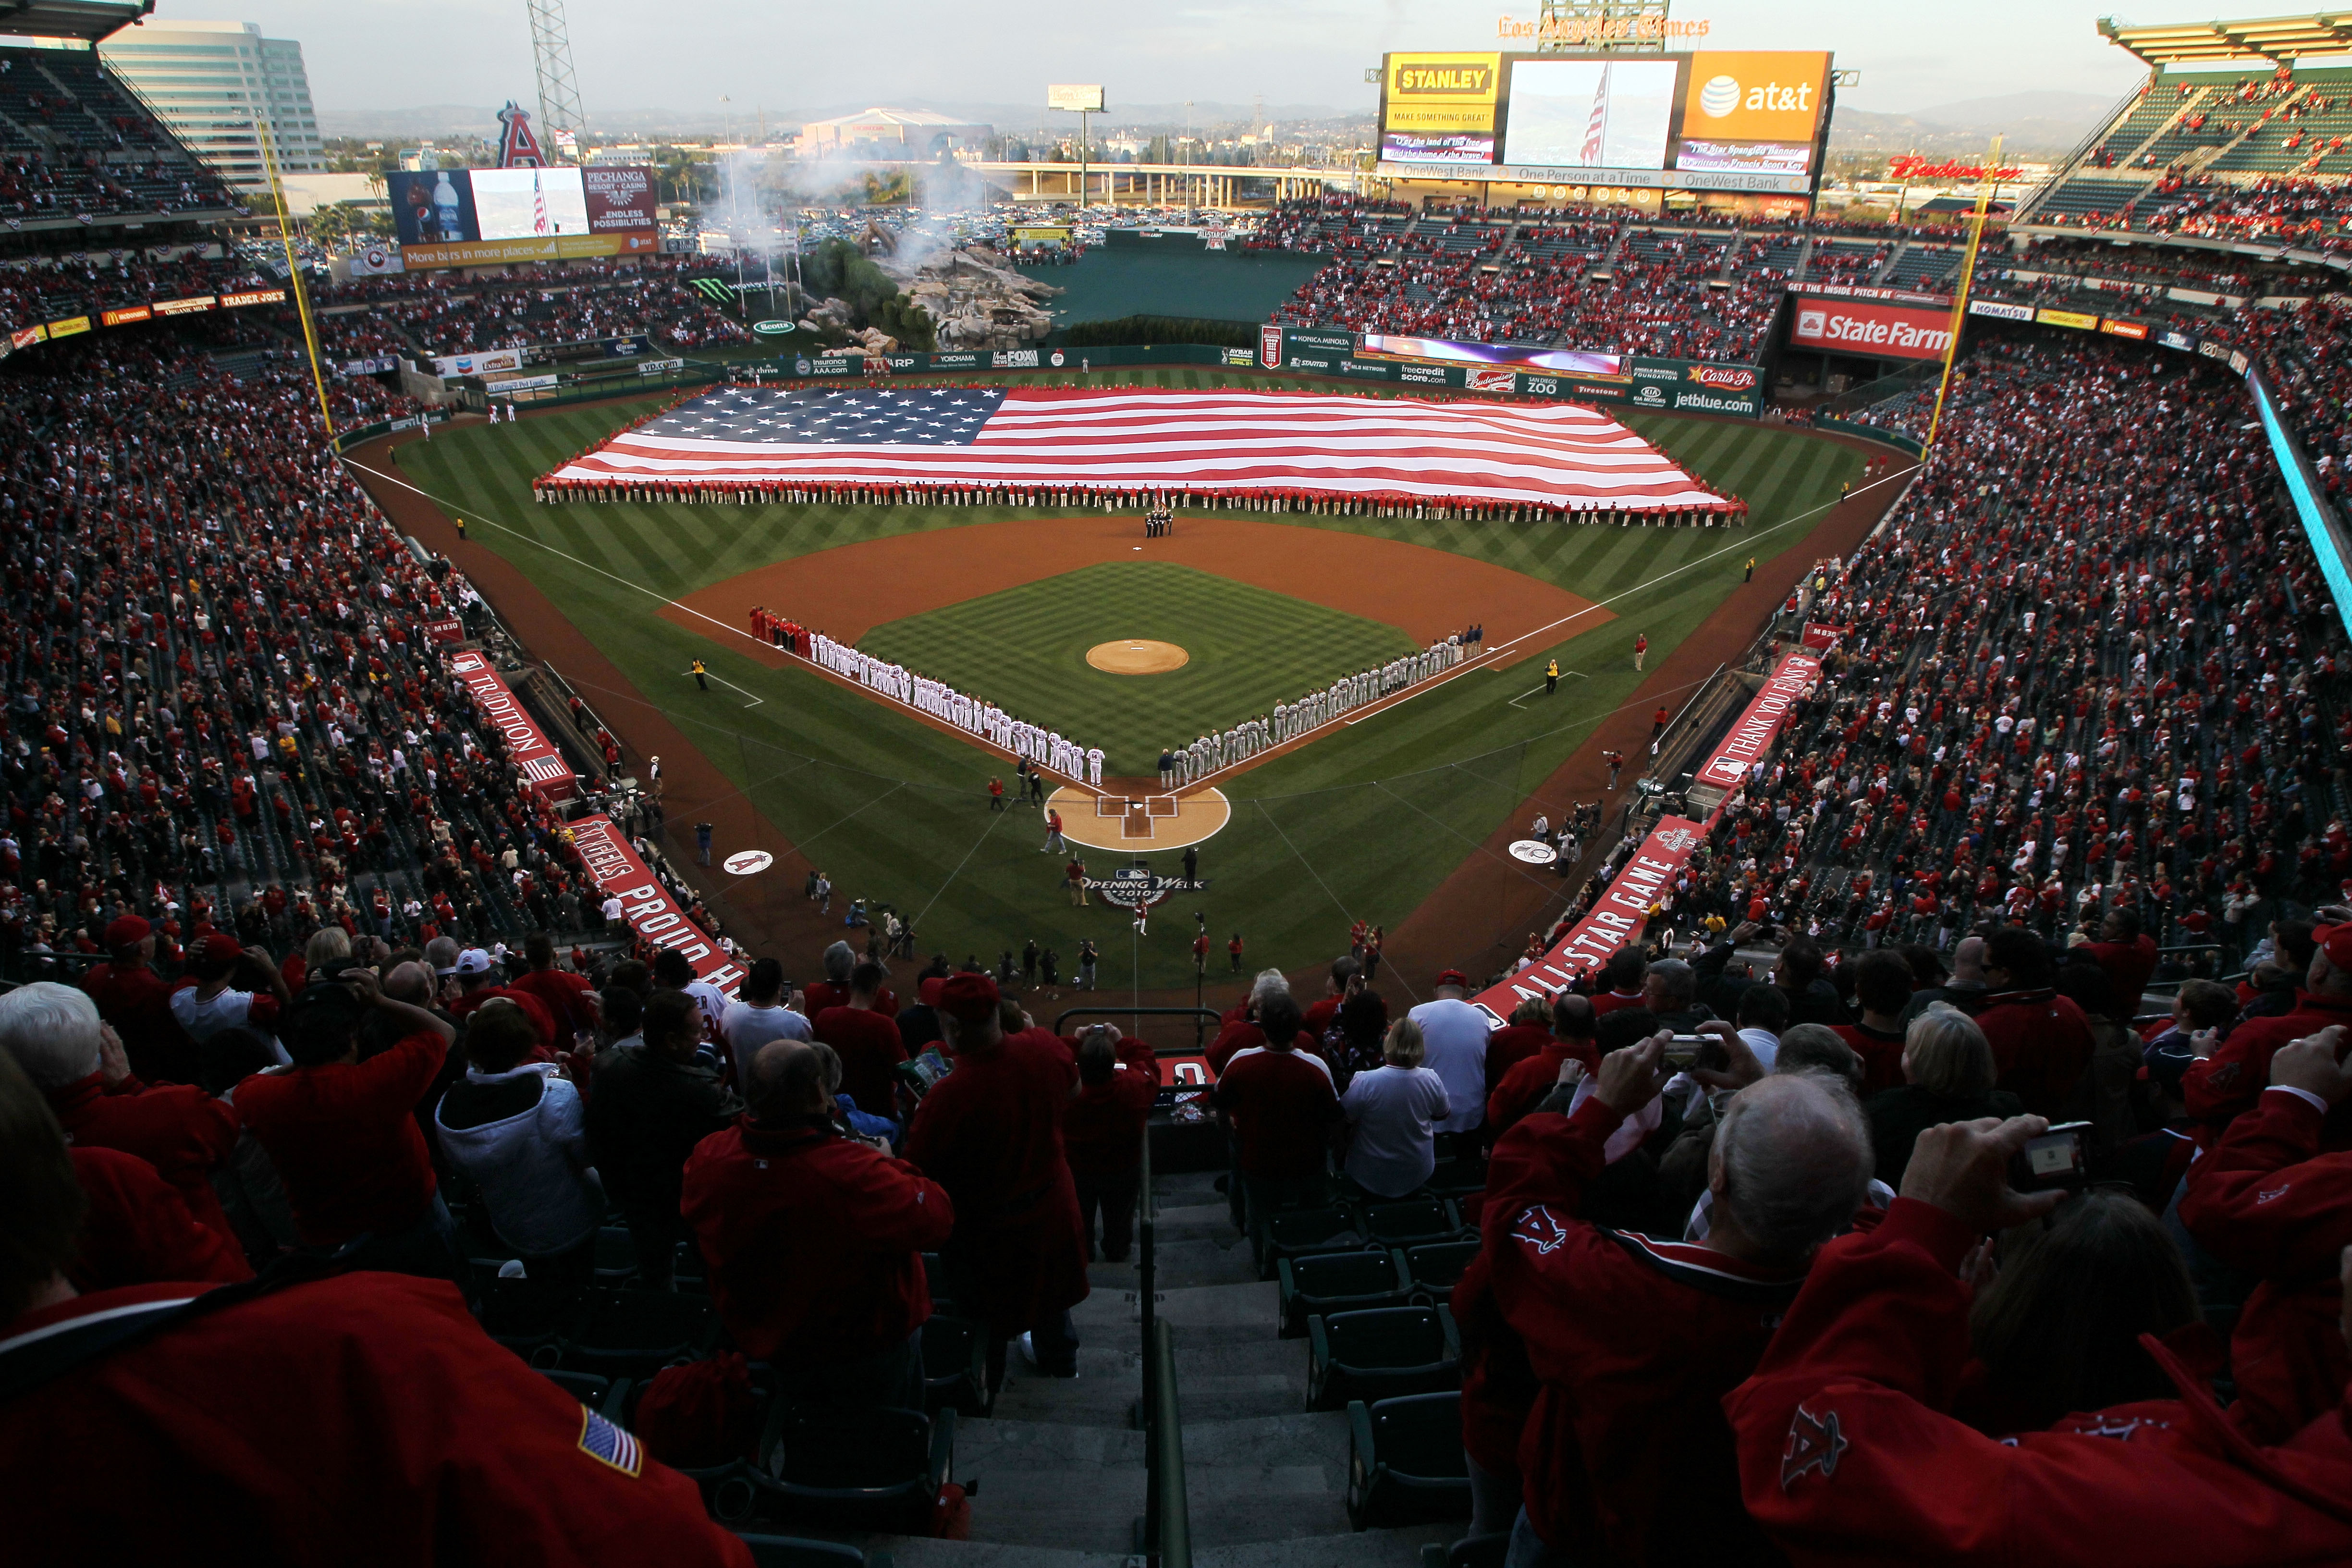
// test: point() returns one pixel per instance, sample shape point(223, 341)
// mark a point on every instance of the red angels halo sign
point(651, 912)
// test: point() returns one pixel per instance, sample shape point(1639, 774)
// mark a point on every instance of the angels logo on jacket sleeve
point(1815, 1444)
point(1541, 1230)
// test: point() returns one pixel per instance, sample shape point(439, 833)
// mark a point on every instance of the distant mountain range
point(2032, 125)
point(471, 119)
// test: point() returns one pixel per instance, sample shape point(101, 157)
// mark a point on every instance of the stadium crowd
point(1767, 1266)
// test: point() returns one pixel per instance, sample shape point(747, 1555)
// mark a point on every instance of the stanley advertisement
point(1439, 108)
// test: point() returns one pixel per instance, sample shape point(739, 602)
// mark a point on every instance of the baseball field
point(1364, 822)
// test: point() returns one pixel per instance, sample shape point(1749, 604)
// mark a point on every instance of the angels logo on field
point(745, 862)
point(1131, 887)
point(1815, 1444)
point(1534, 851)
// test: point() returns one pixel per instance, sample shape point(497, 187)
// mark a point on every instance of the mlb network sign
point(1881, 332)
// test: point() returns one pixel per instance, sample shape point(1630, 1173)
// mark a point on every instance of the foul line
point(994, 818)
point(886, 795)
point(722, 680)
point(1745, 541)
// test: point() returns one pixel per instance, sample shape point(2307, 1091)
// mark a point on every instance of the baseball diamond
point(1373, 814)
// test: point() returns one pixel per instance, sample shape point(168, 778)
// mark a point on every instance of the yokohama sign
point(1879, 332)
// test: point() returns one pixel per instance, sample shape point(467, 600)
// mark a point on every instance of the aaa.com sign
point(1881, 332)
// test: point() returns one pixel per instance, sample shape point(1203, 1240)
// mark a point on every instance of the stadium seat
point(616, 1255)
point(1320, 1283)
point(1470, 1552)
point(1294, 1232)
point(876, 1469)
point(955, 1366)
point(1410, 1220)
point(1434, 1267)
point(1405, 1462)
point(791, 1551)
point(1381, 1354)
point(935, 1276)
point(526, 1317)
point(1454, 1177)
point(635, 1333)
point(608, 1397)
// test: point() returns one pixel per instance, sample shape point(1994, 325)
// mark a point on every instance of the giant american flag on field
point(1558, 455)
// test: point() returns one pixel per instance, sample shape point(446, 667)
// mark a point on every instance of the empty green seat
point(872, 1469)
point(1405, 1462)
point(791, 1551)
point(635, 1333)
point(1384, 1354)
point(955, 1366)
point(1434, 1267)
point(1411, 1219)
point(1320, 1283)
point(1291, 1233)
point(616, 1255)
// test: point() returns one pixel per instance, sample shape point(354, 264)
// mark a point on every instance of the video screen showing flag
point(1559, 456)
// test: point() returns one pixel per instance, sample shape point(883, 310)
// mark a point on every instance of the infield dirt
point(847, 590)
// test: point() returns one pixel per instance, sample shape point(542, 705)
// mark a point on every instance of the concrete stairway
point(1061, 1463)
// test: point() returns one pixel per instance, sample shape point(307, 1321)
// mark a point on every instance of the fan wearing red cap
point(137, 1002)
point(211, 997)
point(2229, 1082)
point(991, 1133)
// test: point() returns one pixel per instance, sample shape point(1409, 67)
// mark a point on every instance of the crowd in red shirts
point(226, 710)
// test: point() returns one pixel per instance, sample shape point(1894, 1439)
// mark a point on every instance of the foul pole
point(1989, 180)
point(294, 271)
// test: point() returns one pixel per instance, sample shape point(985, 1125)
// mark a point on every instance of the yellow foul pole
point(294, 270)
point(1988, 182)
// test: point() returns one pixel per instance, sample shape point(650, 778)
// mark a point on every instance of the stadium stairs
point(1060, 1463)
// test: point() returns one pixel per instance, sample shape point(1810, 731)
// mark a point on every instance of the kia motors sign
point(1876, 332)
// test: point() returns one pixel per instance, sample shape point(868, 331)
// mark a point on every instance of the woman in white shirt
point(1393, 1111)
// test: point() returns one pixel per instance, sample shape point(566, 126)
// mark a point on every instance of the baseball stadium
point(1624, 864)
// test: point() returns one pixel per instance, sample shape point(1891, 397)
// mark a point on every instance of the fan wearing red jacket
point(1626, 1457)
point(2226, 1083)
point(358, 1417)
point(54, 1032)
point(815, 1238)
point(1846, 1453)
point(1119, 1079)
point(2267, 1200)
point(2041, 1041)
point(991, 1133)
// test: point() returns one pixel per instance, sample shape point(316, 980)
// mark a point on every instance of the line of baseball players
point(1044, 748)
point(1289, 720)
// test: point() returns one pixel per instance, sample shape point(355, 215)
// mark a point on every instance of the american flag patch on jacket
point(600, 1440)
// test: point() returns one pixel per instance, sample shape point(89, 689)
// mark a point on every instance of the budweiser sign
point(1910, 166)
point(1724, 377)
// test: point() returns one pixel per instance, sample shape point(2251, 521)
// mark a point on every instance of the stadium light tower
point(1621, 26)
point(558, 90)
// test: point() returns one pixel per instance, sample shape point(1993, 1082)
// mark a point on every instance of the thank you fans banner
point(1617, 919)
point(651, 912)
point(540, 760)
point(1748, 740)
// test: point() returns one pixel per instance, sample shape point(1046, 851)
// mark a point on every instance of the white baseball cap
point(474, 961)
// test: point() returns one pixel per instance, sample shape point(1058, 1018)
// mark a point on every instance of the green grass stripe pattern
point(1024, 649)
point(1363, 823)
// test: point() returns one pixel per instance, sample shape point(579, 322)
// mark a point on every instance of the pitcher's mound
point(1137, 658)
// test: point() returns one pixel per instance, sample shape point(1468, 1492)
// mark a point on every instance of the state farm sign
point(1885, 332)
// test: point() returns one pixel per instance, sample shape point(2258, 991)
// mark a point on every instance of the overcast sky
point(395, 54)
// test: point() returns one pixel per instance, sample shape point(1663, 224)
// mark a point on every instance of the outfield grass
point(1026, 650)
point(1363, 823)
